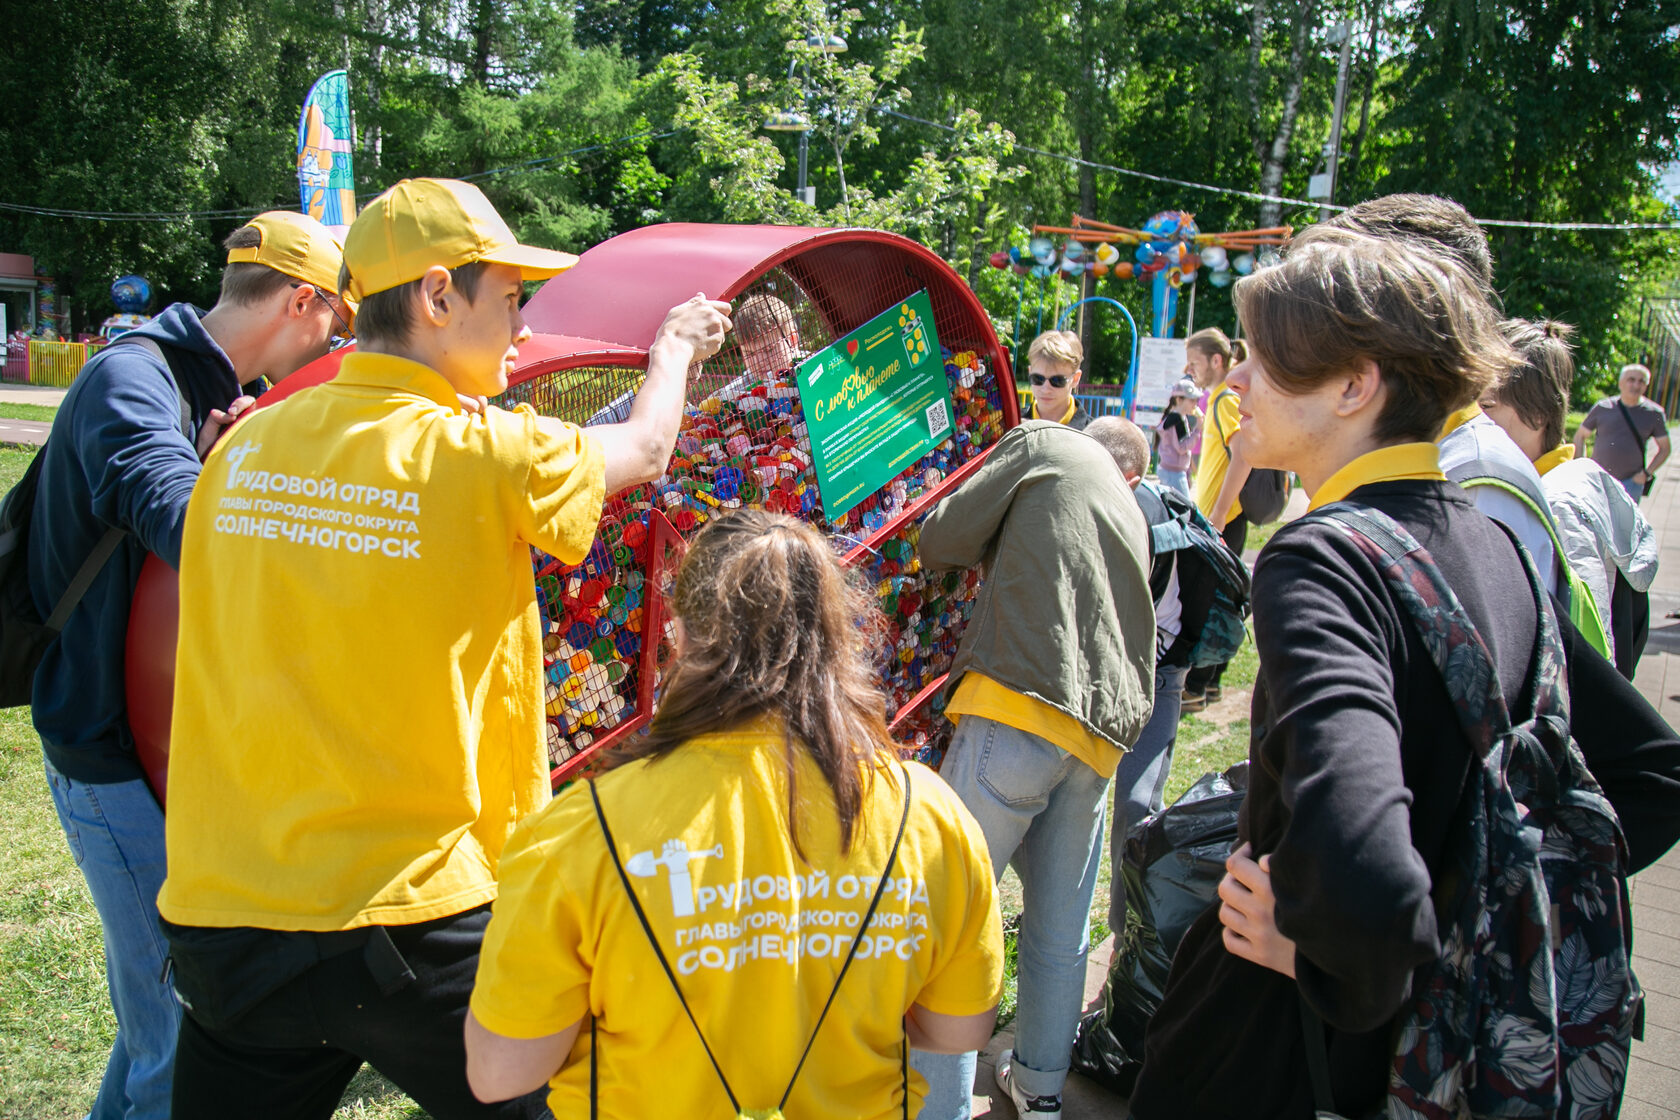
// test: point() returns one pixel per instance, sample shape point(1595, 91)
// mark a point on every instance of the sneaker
point(1192, 701)
point(1029, 1108)
point(1214, 693)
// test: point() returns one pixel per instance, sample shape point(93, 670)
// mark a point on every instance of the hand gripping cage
point(742, 443)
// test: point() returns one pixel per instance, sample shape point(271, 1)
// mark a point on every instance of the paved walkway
point(31, 432)
point(1653, 1085)
point(1653, 1089)
point(32, 394)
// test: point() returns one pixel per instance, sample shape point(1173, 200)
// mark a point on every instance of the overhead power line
point(253, 211)
point(1234, 192)
point(1256, 196)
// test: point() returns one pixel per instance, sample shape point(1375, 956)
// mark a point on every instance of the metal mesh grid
point(595, 613)
point(743, 443)
point(926, 614)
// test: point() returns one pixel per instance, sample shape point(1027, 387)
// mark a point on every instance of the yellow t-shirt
point(358, 694)
point(980, 695)
point(755, 936)
point(1222, 423)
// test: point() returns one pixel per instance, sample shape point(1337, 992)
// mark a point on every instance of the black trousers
point(1203, 677)
point(1630, 624)
point(398, 1004)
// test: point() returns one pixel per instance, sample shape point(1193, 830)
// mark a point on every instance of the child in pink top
point(1179, 426)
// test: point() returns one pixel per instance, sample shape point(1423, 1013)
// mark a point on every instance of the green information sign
point(875, 402)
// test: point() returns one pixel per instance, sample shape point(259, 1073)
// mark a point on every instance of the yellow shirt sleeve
point(1215, 462)
point(534, 967)
point(566, 487)
point(967, 976)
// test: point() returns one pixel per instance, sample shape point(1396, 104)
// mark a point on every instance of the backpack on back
point(24, 635)
point(1531, 1008)
point(1266, 491)
point(1176, 525)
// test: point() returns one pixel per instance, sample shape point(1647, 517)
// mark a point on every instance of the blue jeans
point(1141, 781)
point(1041, 810)
point(1635, 490)
point(115, 831)
point(1177, 480)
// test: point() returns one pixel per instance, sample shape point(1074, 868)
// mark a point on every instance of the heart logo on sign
point(852, 348)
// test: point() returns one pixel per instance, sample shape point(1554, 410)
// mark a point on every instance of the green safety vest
point(1574, 594)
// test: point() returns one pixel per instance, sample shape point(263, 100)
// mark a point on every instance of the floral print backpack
point(1532, 1006)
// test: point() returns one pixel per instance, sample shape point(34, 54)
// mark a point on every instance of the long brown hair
point(772, 627)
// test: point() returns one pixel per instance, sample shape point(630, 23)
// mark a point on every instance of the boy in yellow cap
point(113, 485)
point(352, 746)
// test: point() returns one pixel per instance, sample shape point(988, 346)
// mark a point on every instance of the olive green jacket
point(1064, 615)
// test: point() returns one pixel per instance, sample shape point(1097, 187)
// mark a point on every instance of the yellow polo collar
point(1460, 418)
point(1556, 457)
point(1066, 416)
point(391, 372)
point(1385, 464)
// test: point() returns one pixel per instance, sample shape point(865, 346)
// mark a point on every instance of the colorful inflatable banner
point(326, 180)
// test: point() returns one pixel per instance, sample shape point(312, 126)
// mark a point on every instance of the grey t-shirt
point(1616, 448)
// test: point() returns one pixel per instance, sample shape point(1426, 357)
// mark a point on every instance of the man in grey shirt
point(1622, 425)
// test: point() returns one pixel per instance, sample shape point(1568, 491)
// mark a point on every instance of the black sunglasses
point(1058, 381)
point(345, 335)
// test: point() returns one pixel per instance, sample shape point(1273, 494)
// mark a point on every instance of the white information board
point(1160, 363)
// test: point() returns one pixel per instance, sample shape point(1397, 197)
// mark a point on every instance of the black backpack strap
point(653, 941)
point(1318, 1060)
point(647, 928)
point(157, 350)
point(880, 887)
point(107, 544)
point(84, 577)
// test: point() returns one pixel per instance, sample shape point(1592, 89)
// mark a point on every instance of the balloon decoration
point(1169, 252)
point(131, 294)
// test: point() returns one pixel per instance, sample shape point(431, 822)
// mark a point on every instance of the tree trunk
point(373, 137)
point(484, 17)
point(978, 257)
point(1271, 168)
point(1256, 36)
point(1086, 117)
point(840, 170)
point(1351, 168)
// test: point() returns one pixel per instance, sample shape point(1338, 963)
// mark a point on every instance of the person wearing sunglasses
point(1053, 369)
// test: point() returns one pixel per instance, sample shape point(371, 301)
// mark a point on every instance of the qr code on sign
point(937, 418)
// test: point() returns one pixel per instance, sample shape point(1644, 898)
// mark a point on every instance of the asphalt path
point(24, 431)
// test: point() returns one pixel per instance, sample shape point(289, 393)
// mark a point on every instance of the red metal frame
point(665, 551)
point(620, 290)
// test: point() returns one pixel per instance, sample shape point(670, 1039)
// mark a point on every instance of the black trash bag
point(1172, 866)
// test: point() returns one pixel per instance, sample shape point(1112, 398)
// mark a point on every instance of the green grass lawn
point(56, 1024)
point(46, 412)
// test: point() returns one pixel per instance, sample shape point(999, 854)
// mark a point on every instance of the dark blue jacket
point(117, 457)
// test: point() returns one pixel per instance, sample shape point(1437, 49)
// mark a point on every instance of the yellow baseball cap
point(297, 245)
point(424, 222)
